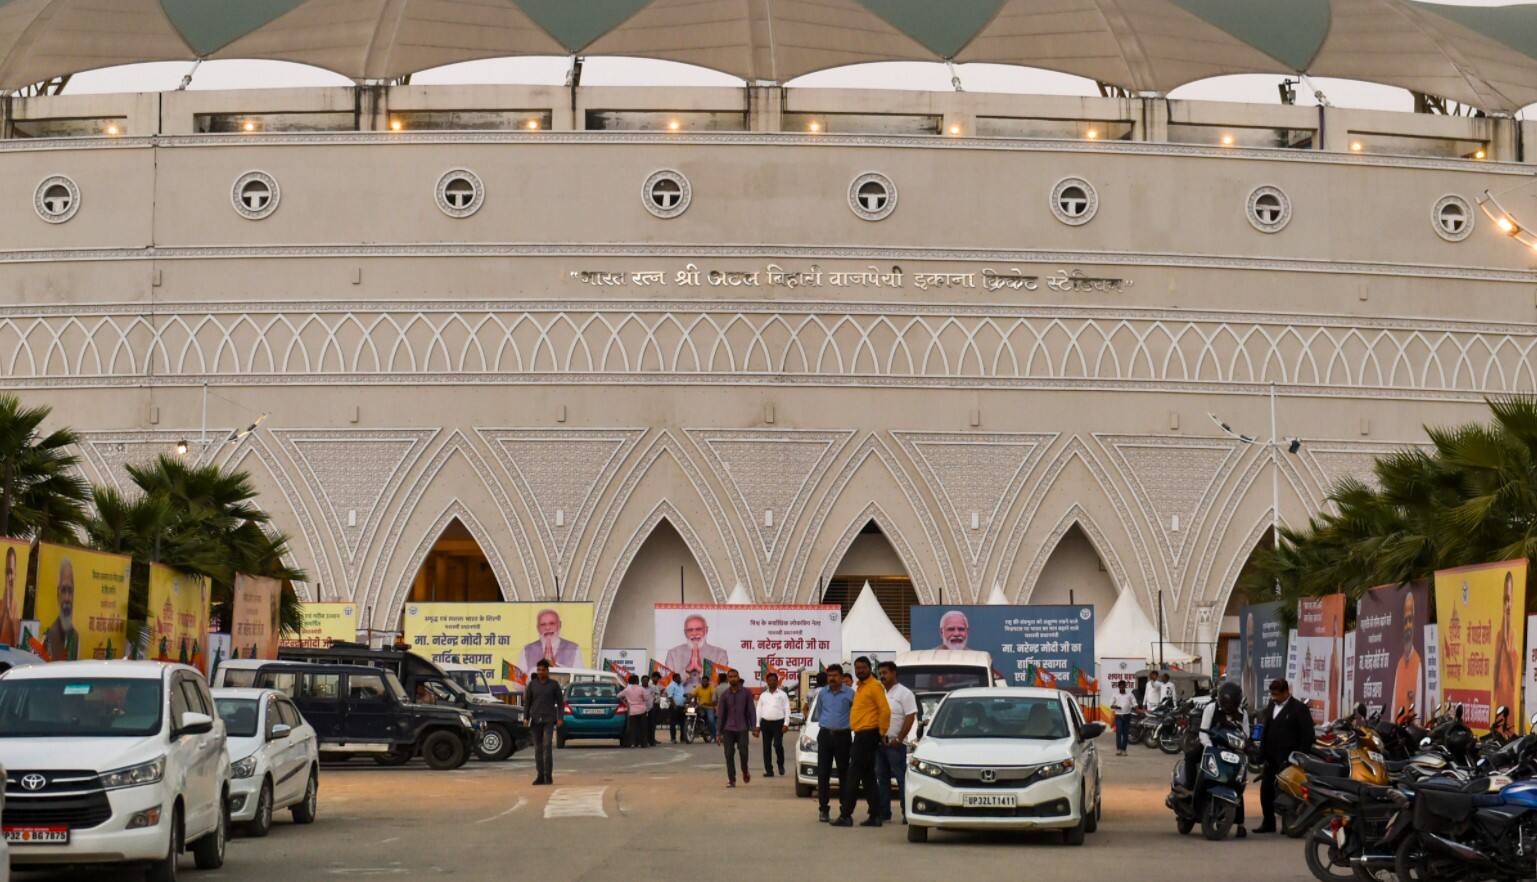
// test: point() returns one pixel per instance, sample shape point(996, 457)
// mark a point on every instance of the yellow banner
point(1480, 613)
point(178, 616)
point(255, 624)
point(504, 640)
point(82, 603)
point(324, 624)
point(13, 590)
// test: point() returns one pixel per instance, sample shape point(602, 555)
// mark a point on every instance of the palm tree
point(40, 492)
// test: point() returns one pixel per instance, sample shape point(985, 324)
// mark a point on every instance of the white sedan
point(274, 758)
point(1005, 759)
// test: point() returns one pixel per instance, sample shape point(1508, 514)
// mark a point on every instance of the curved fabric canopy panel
point(1482, 56)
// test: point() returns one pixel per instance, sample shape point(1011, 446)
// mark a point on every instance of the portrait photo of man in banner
point(14, 556)
point(503, 640)
point(256, 621)
point(178, 617)
point(1390, 648)
point(1320, 655)
point(323, 625)
point(1480, 612)
point(1263, 636)
point(703, 641)
point(81, 604)
point(1043, 645)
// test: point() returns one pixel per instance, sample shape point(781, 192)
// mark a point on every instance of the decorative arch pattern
point(874, 513)
point(382, 615)
point(664, 511)
point(1075, 515)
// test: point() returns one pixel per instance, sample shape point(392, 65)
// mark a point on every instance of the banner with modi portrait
point(81, 604)
point(178, 617)
point(257, 618)
point(13, 590)
point(505, 641)
point(1480, 614)
point(703, 640)
point(1390, 648)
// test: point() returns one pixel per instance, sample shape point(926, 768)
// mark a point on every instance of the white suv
point(112, 762)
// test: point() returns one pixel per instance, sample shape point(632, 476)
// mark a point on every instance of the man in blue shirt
point(678, 699)
point(834, 739)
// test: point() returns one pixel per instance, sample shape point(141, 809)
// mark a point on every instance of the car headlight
point(134, 776)
point(1054, 769)
point(243, 768)
point(924, 767)
point(808, 744)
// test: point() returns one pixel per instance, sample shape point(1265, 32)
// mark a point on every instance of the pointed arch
point(663, 511)
point(323, 583)
point(1075, 516)
point(873, 513)
point(384, 613)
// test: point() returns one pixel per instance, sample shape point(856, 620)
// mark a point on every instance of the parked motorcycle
point(1213, 799)
point(1172, 728)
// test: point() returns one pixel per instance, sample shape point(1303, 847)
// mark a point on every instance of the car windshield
point(394, 686)
point(61, 707)
point(941, 678)
point(592, 690)
point(1000, 717)
point(239, 716)
point(471, 681)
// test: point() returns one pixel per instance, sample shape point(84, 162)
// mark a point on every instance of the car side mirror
point(1091, 731)
point(194, 723)
point(922, 727)
point(280, 731)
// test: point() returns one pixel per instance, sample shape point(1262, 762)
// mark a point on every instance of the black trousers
point(635, 731)
point(736, 745)
point(1267, 794)
point(675, 722)
point(773, 744)
point(832, 749)
point(653, 720)
point(544, 743)
point(861, 774)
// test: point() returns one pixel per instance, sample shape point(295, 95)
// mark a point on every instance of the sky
point(922, 76)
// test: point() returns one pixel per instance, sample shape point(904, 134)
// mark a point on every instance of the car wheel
point(916, 833)
point(1075, 835)
point(304, 812)
point(164, 870)
point(443, 751)
point(804, 791)
point(397, 757)
point(1091, 819)
point(495, 744)
point(208, 852)
point(261, 825)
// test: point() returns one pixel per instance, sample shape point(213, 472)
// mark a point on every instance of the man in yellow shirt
point(869, 718)
point(704, 696)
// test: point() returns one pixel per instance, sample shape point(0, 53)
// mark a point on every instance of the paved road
point(665, 813)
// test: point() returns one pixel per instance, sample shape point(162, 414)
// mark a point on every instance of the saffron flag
point(512, 674)
point(615, 667)
point(713, 670)
point(661, 670)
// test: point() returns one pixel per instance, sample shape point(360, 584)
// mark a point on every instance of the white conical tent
point(867, 628)
point(996, 598)
point(1126, 632)
point(739, 596)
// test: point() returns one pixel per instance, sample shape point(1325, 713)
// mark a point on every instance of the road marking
point(678, 756)
point(576, 802)
point(389, 840)
point(515, 806)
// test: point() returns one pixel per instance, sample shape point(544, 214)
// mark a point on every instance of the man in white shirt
point(1158, 690)
point(891, 759)
point(1123, 703)
point(773, 712)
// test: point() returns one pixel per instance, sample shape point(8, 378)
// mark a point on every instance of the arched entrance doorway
point(455, 570)
point(664, 570)
point(872, 558)
point(1075, 573)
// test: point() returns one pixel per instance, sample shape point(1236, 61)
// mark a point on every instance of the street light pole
point(1275, 486)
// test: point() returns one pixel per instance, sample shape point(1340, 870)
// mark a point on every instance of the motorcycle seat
point(1323, 768)
point(1453, 785)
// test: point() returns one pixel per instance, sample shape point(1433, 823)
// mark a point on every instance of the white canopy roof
point(1126, 632)
point(739, 596)
point(996, 598)
point(867, 628)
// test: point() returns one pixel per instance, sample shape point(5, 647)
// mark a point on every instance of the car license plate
point(989, 800)
point(37, 835)
point(592, 711)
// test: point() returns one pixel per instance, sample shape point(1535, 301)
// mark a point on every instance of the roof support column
point(1504, 139)
point(1150, 119)
point(765, 108)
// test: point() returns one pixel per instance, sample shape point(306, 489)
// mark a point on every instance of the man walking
point(1288, 727)
point(722, 683)
point(1123, 703)
point(891, 760)
point(634, 700)
point(773, 711)
point(542, 703)
point(869, 718)
point(834, 740)
point(735, 712)
point(654, 695)
point(678, 698)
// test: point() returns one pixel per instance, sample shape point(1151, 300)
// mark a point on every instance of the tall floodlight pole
point(1292, 446)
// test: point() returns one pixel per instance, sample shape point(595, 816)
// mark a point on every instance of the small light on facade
point(814, 126)
point(1227, 140)
point(1093, 134)
point(114, 130)
point(1479, 153)
point(673, 125)
point(1507, 226)
point(1356, 146)
point(396, 125)
point(181, 448)
point(533, 125)
point(248, 126)
point(955, 130)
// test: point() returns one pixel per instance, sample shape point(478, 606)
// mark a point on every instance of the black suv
point(359, 711)
point(501, 727)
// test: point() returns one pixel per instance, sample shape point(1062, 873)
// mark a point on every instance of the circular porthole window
point(56, 199)
point(460, 193)
point(1453, 218)
point(1269, 210)
point(255, 195)
point(1074, 201)
point(873, 196)
point(666, 193)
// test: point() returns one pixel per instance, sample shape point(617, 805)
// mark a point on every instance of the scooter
point(1214, 798)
